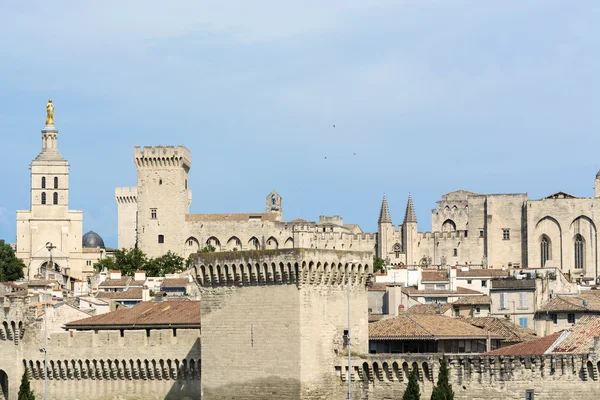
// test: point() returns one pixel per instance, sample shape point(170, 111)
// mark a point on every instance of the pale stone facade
point(49, 220)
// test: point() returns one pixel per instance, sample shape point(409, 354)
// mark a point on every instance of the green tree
point(208, 249)
point(165, 264)
point(11, 267)
point(378, 264)
point(25, 392)
point(412, 391)
point(443, 389)
point(108, 263)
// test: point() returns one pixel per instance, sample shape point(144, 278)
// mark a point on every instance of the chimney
point(401, 309)
point(145, 294)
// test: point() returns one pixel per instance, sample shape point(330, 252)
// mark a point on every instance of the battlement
point(162, 157)
point(453, 235)
point(287, 266)
point(126, 195)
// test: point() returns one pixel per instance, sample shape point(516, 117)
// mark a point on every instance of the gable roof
point(566, 303)
point(533, 347)
point(473, 300)
point(510, 333)
point(116, 282)
point(131, 294)
point(175, 282)
point(434, 276)
point(561, 195)
point(429, 309)
point(418, 326)
point(145, 315)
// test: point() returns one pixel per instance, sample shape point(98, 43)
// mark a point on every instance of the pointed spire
point(384, 214)
point(410, 215)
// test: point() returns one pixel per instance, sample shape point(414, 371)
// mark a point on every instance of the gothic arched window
point(579, 252)
point(43, 182)
point(273, 200)
point(44, 198)
point(56, 182)
point(397, 249)
point(55, 198)
point(545, 250)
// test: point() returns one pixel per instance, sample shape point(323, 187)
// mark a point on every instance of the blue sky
point(432, 96)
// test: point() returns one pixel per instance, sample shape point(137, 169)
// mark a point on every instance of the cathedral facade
point(485, 230)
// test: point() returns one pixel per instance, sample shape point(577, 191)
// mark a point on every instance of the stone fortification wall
point(473, 377)
point(273, 321)
point(155, 364)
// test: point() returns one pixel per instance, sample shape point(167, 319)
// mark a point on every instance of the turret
point(409, 232)
point(597, 185)
point(385, 230)
point(274, 205)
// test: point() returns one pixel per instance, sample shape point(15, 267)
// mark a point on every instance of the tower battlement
point(126, 195)
point(162, 157)
point(289, 266)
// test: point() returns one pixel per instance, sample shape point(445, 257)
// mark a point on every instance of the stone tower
point(409, 233)
point(385, 230)
point(274, 205)
point(49, 220)
point(163, 198)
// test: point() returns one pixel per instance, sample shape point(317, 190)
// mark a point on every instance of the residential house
point(428, 334)
point(515, 299)
point(93, 305)
point(479, 279)
point(175, 286)
point(472, 306)
point(128, 298)
point(563, 311)
point(431, 309)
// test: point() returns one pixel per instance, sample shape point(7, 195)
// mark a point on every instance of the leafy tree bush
point(11, 267)
point(129, 261)
point(412, 391)
point(378, 264)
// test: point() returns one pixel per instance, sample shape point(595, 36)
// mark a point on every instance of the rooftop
point(131, 294)
point(178, 282)
point(473, 300)
point(434, 276)
point(582, 303)
point(460, 291)
point(532, 347)
point(418, 326)
point(510, 333)
point(116, 282)
point(513, 284)
point(429, 309)
point(232, 217)
point(482, 273)
point(145, 315)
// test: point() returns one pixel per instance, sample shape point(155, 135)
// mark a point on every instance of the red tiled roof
point(423, 327)
point(473, 300)
point(131, 294)
point(582, 303)
point(532, 347)
point(177, 282)
point(429, 309)
point(434, 276)
point(116, 282)
point(458, 292)
point(145, 314)
point(579, 339)
point(509, 332)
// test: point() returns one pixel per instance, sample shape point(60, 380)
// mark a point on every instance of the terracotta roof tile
point(579, 339)
point(434, 276)
point(131, 294)
point(429, 309)
point(422, 327)
point(467, 300)
point(572, 303)
point(177, 282)
point(145, 314)
point(458, 292)
point(510, 333)
point(532, 347)
point(482, 273)
point(116, 282)
point(513, 284)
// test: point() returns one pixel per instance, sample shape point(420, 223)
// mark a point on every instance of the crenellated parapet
point(287, 266)
point(476, 373)
point(162, 157)
point(126, 195)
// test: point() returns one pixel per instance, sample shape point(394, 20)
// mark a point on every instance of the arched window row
point(282, 273)
point(44, 182)
point(137, 369)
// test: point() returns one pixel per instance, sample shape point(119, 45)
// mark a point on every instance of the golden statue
point(49, 113)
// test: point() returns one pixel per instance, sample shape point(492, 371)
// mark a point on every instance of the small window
point(455, 252)
point(160, 181)
point(466, 233)
point(477, 310)
point(522, 299)
point(506, 234)
point(483, 283)
point(153, 213)
point(186, 184)
point(345, 338)
point(554, 318)
point(55, 198)
point(529, 394)
point(457, 312)
point(571, 318)
point(469, 281)
point(161, 238)
point(503, 301)
point(481, 233)
point(43, 198)
point(43, 182)
point(523, 322)
point(56, 182)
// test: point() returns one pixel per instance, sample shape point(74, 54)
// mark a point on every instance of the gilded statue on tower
point(49, 113)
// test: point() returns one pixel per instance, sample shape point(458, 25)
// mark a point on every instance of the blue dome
point(92, 240)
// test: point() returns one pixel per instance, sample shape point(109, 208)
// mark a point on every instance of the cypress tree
point(443, 389)
point(25, 392)
point(412, 391)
